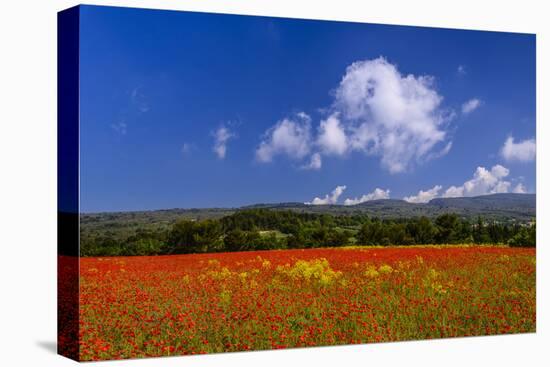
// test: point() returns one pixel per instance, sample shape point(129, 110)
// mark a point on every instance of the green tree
point(448, 226)
point(190, 236)
point(424, 232)
point(373, 233)
point(235, 240)
point(525, 237)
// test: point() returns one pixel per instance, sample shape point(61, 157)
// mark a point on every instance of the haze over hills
point(120, 231)
point(501, 207)
point(518, 207)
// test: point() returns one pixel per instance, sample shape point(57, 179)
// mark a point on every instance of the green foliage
point(448, 228)
point(373, 233)
point(525, 237)
point(191, 237)
point(422, 230)
point(264, 229)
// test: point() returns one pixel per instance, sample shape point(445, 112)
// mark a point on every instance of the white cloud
point(120, 127)
point(290, 136)
point(424, 196)
point(315, 163)
point(440, 153)
point(376, 111)
point(186, 148)
point(471, 105)
point(519, 189)
point(523, 151)
point(221, 137)
point(377, 194)
point(483, 182)
point(332, 138)
point(331, 198)
point(139, 100)
point(387, 114)
point(461, 69)
point(303, 115)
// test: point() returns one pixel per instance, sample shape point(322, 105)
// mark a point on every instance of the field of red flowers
point(207, 303)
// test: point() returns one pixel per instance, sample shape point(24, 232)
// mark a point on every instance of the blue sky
point(201, 110)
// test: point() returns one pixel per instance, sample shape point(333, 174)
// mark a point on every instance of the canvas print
point(232, 183)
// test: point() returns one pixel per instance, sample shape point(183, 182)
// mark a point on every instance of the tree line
point(264, 229)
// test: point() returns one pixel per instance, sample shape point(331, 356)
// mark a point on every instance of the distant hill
point(504, 207)
point(495, 201)
point(500, 207)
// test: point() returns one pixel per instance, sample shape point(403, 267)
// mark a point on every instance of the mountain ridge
point(502, 207)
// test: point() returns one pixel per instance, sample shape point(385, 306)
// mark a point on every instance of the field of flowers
point(207, 303)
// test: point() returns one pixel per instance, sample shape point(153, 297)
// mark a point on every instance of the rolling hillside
point(499, 207)
point(504, 207)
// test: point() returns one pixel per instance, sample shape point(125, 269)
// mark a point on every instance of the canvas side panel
point(68, 182)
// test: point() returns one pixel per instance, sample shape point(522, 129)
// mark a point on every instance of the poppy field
point(145, 306)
